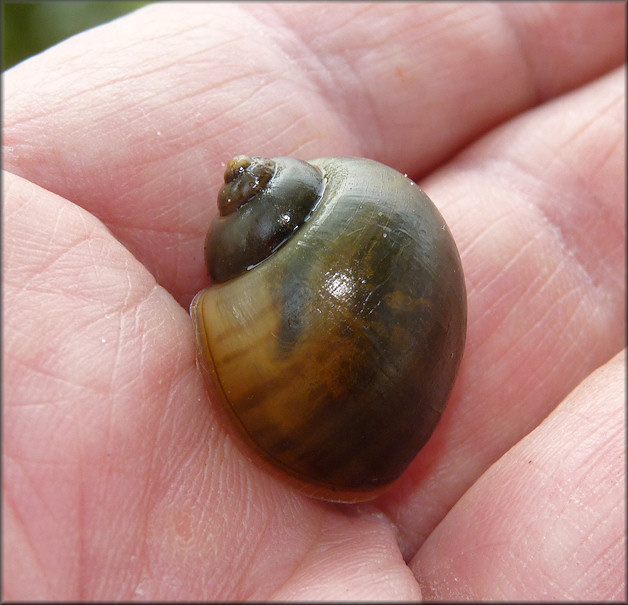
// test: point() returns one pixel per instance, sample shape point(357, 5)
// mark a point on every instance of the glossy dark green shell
point(335, 356)
point(266, 216)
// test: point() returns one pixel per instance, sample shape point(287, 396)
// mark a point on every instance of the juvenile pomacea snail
point(336, 320)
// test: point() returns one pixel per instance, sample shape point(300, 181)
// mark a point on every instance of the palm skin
point(120, 479)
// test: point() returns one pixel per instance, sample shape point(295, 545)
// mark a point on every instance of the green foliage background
point(30, 27)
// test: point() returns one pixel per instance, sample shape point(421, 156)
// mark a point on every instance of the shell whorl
point(262, 203)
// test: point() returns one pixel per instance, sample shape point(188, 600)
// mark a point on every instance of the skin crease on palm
point(120, 479)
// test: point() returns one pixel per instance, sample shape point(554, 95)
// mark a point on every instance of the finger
point(538, 210)
point(119, 480)
point(141, 114)
point(418, 82)
point(354, 558)
point(548, 520)
point(94, 353)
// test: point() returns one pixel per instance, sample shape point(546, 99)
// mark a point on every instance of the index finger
point(133, 120)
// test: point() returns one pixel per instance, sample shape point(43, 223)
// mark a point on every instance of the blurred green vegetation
point(31, 27)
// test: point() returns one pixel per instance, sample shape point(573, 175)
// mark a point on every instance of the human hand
point(120, 480)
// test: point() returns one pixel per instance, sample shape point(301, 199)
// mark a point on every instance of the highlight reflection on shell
point(334, 355)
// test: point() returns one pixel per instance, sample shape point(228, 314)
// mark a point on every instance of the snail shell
point(336, 321)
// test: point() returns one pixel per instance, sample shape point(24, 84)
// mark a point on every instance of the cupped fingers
point(548, 520)
point(537, 209)
point(135, 120)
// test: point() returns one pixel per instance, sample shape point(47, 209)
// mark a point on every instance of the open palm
point(120, 479)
